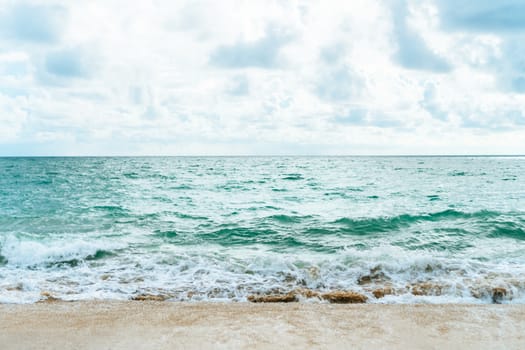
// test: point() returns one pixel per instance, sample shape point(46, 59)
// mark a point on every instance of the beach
point(188, 252)
point(171, 325)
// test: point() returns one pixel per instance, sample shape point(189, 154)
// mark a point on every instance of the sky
point(262, 77)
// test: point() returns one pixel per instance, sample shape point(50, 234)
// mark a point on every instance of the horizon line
point(262, 155)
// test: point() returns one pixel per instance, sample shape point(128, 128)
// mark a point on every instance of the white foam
point(31, 253)
point(214, 273)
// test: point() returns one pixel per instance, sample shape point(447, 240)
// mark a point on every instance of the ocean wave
point(293, 177)
point(384, 275)
point(166, 233)
point(449, 231)
point(27, 253)
point(113, 211)
point(508, 229)
point(366, 226)
point(194, 280)
point(288, 219)
point(247, 236)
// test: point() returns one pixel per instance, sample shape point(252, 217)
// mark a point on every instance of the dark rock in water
point(47, 297)
point(307, 293)
point(149, 297)
point(282, 298)
point(375, 276)
point(378, 293)
point(17, 287)
point(381, 292)
point(426, 288)
point(342, 297)
point(498, 294)
point(366, 279)
point(338, 297)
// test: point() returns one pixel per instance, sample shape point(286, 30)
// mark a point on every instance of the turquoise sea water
point(428, 229)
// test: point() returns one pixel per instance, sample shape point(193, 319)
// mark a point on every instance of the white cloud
point(263, 77)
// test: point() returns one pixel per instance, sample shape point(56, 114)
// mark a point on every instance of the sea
point(394, 229)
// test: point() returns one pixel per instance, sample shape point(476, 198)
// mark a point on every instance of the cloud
point(15, 69)
point(431, 104)
point(199, 77)
point(367, 117)
point(261, 53)
point(413, 52)
point(497, 120)
point(68, 63)
point(12, 118)
point(239, 86)
point(14, 64)
point(518, 84)
point(337, 81)
point(509, 68)
point(333, 54)
point(517, 117)
point(483, 15)
point(504, 18)
point(355, 116)
point(34, 23)
point(505, 61)
point(339, 84)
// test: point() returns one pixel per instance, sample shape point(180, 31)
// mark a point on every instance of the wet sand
point(172, 325)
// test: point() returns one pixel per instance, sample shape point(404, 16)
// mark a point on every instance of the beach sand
point(172, 325)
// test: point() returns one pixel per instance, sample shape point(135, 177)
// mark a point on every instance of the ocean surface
point(420, 229)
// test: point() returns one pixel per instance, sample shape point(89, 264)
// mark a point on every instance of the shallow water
point(428, 229)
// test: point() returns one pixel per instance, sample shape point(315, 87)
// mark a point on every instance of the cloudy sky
point(262, 77)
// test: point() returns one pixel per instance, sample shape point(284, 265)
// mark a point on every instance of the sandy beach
point(171, 325)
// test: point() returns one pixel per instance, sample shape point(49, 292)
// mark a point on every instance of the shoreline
point(167, 325)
